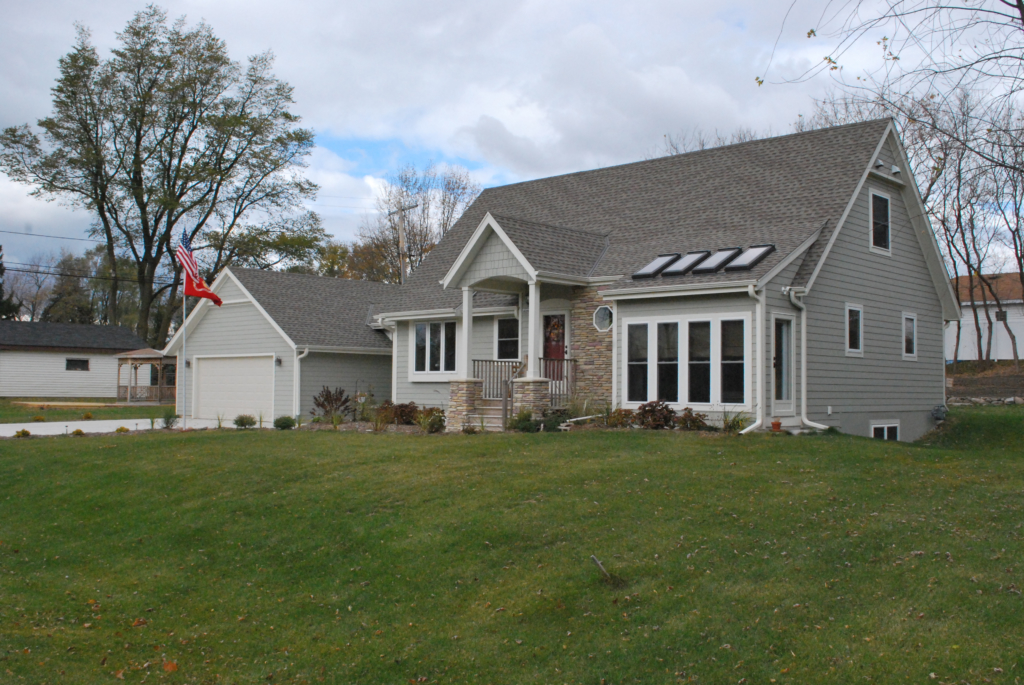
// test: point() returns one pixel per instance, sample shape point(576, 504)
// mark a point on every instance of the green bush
point(382, 418)
point(655, 415)
point(245, 421)
point(431, 419)
point(284, 423)
point(690, 421)
point(621, 418)
point(553, 418)
point(734, 423)
point(523, 422)
point(170, 418)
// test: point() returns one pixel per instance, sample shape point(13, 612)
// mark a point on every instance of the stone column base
point(533, 394)
point(463, 397)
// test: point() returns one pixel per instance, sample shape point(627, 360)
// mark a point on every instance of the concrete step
point(489, 423)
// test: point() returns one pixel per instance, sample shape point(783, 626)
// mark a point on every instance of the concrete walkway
point(7, 430)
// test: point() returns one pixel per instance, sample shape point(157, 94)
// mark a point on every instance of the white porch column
point(464, 349)
point(535, 334)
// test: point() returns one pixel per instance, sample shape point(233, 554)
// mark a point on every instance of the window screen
point(76, 364)
point(636, 353)
point(668, 362)
point(508, 338)
point(732, 362)
point(880, 222)
point(700, 362)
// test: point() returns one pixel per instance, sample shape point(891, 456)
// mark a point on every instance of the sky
point(512, 90)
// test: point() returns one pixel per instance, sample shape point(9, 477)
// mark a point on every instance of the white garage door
point(229, 386)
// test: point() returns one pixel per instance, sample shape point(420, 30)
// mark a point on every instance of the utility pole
point(401, 237)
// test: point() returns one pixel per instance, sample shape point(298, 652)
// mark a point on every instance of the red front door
point(554, 336)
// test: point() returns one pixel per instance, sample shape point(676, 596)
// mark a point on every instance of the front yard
point(25, 410)
point(243, 557)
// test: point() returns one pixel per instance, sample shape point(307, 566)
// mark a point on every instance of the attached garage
point(229, 386)
point(277, 339)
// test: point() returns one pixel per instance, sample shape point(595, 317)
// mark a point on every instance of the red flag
point(198, 288)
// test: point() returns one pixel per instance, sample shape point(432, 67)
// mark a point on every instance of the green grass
point(21, 413)
point(359, 558)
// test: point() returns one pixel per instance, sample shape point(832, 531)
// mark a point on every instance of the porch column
point(465, 356)
point(535, 334)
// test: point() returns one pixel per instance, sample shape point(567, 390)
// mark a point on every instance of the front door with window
point(554, 346)
point(782, 368)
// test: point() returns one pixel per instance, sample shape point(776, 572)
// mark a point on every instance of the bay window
point(434, 347)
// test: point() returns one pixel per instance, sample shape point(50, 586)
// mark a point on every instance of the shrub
point(430, 419)
point(22, 434)
point(469, 429)
point(245, 421)
point(121, 429)
point(78, 432)
point(331, 403)
point(403, 414)
point(382, 418)
point(284, 423)
point(733, 423)
point(315, 419)
point(655, 415)
point(170, 418)
point(523, 422)
point(553, 418)
point(38, 419)
point(87, 416)
point(621, 418)
point(690, 421)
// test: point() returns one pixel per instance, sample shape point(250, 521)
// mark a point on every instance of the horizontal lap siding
point(777, 303)
point(423, 394)
point(351, 372)
point(229, 291)
point(881, 381)
point(234, 330)
point(44, 374)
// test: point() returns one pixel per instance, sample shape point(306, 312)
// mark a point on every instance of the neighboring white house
point(977, 316)
point(276, 341)
point(61, 359)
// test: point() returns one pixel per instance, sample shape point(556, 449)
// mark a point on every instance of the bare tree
point(32, 284)
point(698, 139)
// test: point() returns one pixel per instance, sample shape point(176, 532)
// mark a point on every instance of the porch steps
point(488, 415)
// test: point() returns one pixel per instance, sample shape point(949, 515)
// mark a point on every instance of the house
point(983, 313)
point(276, 341)
point(793, 278)
point(48, 360)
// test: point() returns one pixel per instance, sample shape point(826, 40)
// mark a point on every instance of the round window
point(603, 318)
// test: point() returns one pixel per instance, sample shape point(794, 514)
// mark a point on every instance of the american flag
point(185, 258)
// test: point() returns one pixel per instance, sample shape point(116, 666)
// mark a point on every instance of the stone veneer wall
point(463, 397)
point(533, 394)
point(590, 347)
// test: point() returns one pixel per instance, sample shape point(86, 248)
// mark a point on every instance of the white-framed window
point(879, 223)
point(434, 347)
point(603, 318)
point(76, 364)
point(885, 430)
point(909, 336)
point(854, 330)
point(506, 332)
point(687, 361)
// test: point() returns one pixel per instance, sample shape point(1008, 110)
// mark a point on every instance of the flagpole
point(184, 354)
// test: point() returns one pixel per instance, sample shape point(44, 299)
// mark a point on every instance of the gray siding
point(351, 372)
point(779, 304)
point(229, 291)
point(493, 259)
point(423, 394)
point(881, 384)
point(237, 329)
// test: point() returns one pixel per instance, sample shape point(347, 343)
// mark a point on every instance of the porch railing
point(562, 373)
point(496, 375)
point(147, 393)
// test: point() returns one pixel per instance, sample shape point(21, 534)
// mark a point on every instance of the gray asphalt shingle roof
point(777, 190)
point(321, 312)
point(77, 336)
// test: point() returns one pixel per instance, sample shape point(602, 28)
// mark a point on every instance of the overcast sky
point(512, 90)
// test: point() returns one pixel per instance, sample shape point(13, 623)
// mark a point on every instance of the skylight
point(716, 261)
point(656, 266)
point(751, 256)
point(683, 266)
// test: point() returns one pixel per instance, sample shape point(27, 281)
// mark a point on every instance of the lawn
point(245, 557)
point(21, 413)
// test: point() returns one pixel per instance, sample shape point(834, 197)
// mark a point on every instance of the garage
point(229, 386)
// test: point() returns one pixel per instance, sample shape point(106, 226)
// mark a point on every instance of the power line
point(58, 237)
point(93, 278)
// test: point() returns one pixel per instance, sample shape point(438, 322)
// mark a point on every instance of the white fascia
point(692, 290)
point(473, 246)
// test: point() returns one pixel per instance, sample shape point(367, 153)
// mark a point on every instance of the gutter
point(803, 356)
point(759, 314)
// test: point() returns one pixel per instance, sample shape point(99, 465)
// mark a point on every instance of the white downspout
point(758, 371)
point(803, 361)
point(298, 385)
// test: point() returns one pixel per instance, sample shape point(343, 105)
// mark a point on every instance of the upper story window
point(508, 338)
point(76, 364)
point(435, 347)
point(854, 330)
point(880, 219)
point(909, 336)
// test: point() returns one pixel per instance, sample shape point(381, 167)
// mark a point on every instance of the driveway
point(7, 430)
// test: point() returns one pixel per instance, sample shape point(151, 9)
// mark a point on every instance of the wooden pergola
point(134, 393)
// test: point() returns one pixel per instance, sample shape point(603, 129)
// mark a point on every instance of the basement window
point(885, 431)
point(76, 364)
